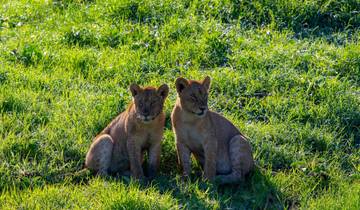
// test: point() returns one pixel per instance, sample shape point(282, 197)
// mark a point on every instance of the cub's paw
point(208, 178)
point(103, 174)
point(218, 180)
point(185, 178)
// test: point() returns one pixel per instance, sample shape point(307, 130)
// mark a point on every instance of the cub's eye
point(193, 97)
point(141, 104)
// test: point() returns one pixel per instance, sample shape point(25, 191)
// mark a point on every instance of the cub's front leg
point(135, 158)
point(183, 154)
point(210, 151)
point(154, 159)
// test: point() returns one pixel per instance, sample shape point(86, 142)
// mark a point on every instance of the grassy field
point(287, 73)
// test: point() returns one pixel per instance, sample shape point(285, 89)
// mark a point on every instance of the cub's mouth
point(146, 119)
point(201, 113)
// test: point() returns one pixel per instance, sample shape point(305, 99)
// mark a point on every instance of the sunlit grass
point(285, 72)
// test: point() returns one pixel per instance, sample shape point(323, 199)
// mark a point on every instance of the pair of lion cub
point(215, 142)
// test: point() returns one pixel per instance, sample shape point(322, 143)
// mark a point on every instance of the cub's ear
point(206, 83)
point(180, 84)
point(135, 89)
point(163, 90)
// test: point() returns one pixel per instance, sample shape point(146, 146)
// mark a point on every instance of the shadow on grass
point(255, 192)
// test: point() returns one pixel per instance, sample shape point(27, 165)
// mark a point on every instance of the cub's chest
point(143, 140)
point(195, 133)
point(147, 136)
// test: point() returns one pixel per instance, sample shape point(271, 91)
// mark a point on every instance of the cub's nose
point(146, 112)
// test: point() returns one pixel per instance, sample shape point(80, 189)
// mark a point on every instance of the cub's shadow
point(255, 192)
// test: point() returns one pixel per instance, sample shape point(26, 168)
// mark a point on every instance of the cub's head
point(148, 101)
point(193, 95)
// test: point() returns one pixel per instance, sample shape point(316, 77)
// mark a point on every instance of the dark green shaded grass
point(286, 73)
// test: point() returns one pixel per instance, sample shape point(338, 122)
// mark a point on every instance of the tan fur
point(216, 143)
point(120, 146)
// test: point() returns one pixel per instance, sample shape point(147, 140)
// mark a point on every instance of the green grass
point(287, 73)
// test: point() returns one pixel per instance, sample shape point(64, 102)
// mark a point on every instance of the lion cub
point(120, 146)
point(214, 141)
